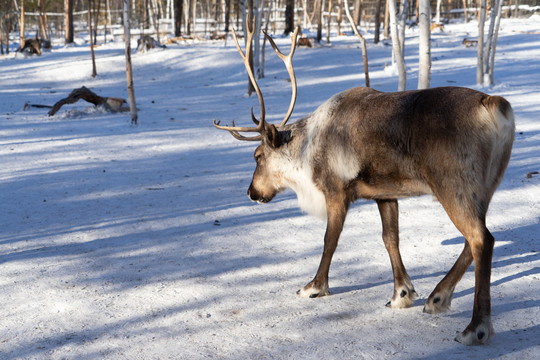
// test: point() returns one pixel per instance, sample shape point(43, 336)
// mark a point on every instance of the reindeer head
point(267, 179)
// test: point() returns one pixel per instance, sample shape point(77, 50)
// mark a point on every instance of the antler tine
point(288, 64)
point(250, 33)
point(235, 131)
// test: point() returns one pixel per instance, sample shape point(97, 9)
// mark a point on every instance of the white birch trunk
point(497, 19)
point(403, 24)
point(304, 5)
point(258, 7)
point(194, 17)
point(489, 39)
point(480, 62)
point(396, 46)
point(424, 66)
point(438, 12)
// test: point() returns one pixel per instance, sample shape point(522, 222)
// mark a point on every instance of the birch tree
point(480, 61)
point(491, 43)
point(397, 48)
point(258, 6)
point(438, 12)
point(404, 5)
point(424, 66)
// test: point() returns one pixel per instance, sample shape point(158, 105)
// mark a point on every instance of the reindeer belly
point(388, 189)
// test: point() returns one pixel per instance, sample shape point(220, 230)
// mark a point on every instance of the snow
point(125, 242)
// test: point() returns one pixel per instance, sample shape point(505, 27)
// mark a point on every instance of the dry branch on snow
point(112, 104)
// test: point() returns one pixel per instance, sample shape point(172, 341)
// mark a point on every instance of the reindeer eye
point(258, 158)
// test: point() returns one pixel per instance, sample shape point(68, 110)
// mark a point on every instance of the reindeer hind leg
point(468, 215)
point(404, 293)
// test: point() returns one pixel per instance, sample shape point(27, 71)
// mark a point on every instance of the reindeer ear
point(272, 136)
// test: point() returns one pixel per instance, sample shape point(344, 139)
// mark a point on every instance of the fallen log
point(112, 104)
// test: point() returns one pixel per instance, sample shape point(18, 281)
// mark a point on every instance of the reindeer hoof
point(478, 336)
point(403, 298)
point(312, 291)
point(438, 302)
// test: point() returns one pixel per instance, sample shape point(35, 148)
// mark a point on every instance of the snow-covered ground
point(124, 242)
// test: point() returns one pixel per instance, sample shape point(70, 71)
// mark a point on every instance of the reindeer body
point(377, 145)
point(451, 142)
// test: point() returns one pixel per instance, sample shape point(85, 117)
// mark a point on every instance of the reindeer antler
point(235, 130)
point(287, 60)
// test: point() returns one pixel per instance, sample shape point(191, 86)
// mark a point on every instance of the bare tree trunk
point(487, 44)
point(68, 26)
point(189, 19)
point(403, 24)
point(21, 35)
point(491, 44)
point(438, 12)
point(43, 20)
point(108, 21)
point(227, 16)
point(357, 12)
point(95, 18)
point(248, 22)
point(480, 61)
point(319, 20)
point(94, 72)
point(129, 73)
point(289, 17)
point(258, 6)
point(424, 66)
point(178, 12)
point(328, 22)
point(362, 41)
point(377, 22)
point(266, 24)
point(194, 17)
point(5, 26)
point(304, 6)
point(339, 17)
point(386, 35)
point(396, 46)
point(2, 36)
point(155, 15)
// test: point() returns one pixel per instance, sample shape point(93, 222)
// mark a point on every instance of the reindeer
point(451, 142)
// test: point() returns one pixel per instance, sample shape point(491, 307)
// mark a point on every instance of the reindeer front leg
point(336, 207)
